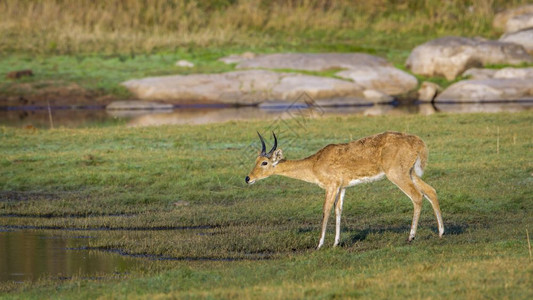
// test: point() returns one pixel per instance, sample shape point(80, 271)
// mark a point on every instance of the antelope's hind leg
point(429, 192)
point(403, 181)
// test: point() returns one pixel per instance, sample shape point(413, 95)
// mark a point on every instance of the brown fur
point(338, 166)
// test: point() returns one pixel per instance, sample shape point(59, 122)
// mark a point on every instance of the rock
point(500, 19)
point(377, 96)
point(19, 74)
point(478, 73)
point(519, 22)
point(488, 90)
point(240, 87)
point(428, 91)
point(523, 73)
point(313, 61)
point(451, 56)
point(522, 37)
point(184, 63)
point(368, 71)
point(386, 79)
point(138, 105)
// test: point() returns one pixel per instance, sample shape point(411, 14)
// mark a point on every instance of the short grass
point(189, 181)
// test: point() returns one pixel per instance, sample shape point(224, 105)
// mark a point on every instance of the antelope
point(399, 157)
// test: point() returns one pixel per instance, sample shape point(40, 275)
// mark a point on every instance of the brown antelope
point(399, 157)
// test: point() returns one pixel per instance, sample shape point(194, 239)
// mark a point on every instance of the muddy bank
point(42, 94)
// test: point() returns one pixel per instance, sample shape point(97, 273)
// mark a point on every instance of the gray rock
point(368, 71)
point(386, 79)
point(522, 37)
point(522, 73)
point(240, 87)
point(377, 96)
point(479, 73)
point(488, 90)
point(428, 91)
point(519, 22)
point(312, 61)
point(501, 19)
point(451, 56)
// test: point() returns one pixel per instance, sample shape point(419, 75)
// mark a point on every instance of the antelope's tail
point(421, 161)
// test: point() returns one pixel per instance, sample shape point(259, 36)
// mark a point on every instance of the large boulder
point(522, 37)
point(520, 73)
point(488, 90)
point(508, 84)
point(519, 22)
point(513, 19)
point(451, 56)
point(387, 79)
point(241, 87)
point(370, 72)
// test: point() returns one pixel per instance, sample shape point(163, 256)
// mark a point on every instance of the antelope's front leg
point(331, 195)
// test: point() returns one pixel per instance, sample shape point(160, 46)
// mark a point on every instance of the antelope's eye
point(264, 163)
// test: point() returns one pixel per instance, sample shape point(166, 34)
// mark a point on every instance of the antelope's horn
point(275, 144)
point(263, 150)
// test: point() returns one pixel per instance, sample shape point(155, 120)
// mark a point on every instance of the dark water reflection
point(100, 117)
point(27, 255)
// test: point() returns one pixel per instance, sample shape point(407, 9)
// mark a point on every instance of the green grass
point(187, 176)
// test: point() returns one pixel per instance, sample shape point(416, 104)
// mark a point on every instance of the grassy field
point(258, 241)
point(90, 47)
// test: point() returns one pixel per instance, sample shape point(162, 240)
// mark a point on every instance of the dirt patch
point(39, 94)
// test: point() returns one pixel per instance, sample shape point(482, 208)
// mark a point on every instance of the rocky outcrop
point(386, 79)
point(451, 56)
point(514, 19)
point(368, 71)
point(508, 84)
point(519, 22)
point(428, 91)
point(522, 37)
point(241, 87)
point(488, 90)
point(519, 73)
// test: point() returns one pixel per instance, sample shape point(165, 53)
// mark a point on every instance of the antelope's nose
point(247, 179)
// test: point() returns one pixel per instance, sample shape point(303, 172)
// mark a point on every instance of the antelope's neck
point(297, 169)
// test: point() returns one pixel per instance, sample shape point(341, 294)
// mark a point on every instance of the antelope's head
point(265, 162)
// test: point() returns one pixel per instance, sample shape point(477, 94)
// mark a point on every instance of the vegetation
point(95, 45)
point(258, 241)
point(135, 26)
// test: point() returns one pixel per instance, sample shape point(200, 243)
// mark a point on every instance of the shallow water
point(27, 255)
point(75, 118)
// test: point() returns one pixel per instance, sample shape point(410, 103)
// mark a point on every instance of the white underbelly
point(365, 179)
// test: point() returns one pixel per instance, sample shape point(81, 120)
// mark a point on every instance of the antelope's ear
point(277, 156)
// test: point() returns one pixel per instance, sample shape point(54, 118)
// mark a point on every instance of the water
point(72, 118)
point(27, 255)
